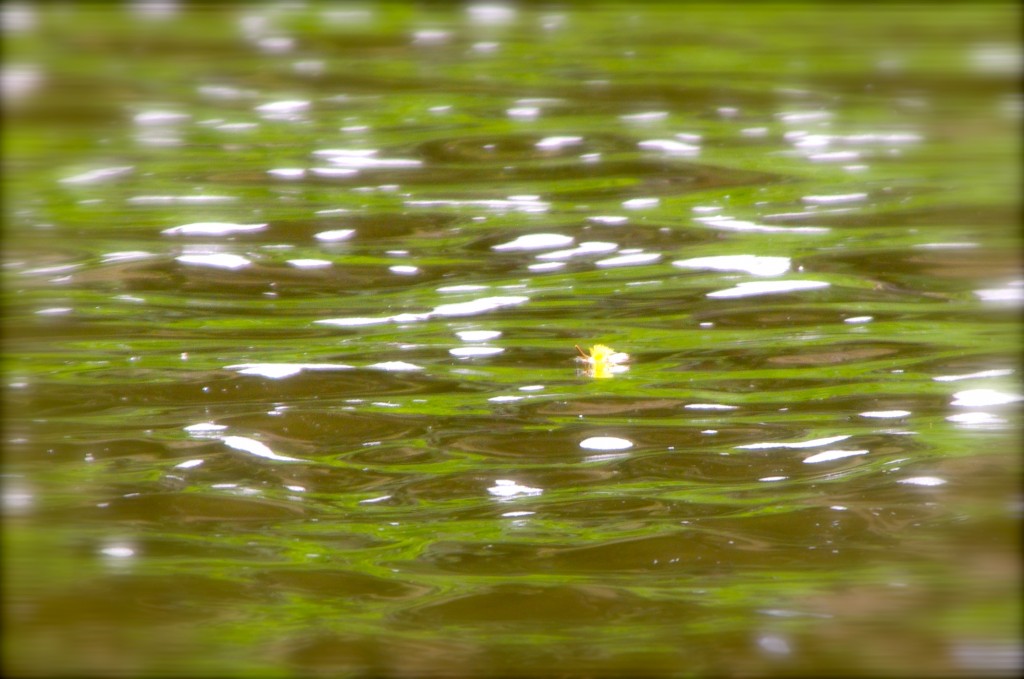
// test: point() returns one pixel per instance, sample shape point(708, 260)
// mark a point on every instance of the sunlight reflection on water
point(291, 339)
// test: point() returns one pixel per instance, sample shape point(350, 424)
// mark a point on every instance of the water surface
point(291, 296)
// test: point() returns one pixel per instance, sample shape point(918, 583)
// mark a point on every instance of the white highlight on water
point(217, 261)
point(755, 288)
point(829, 455)
point(752, 264)
point(813, 443)
point(509, 488)
point(212, 229)
point(605, 443)
point(535, 241)
point(478, 335)
point(974, 398)
point(254, 447)
point(335, 235)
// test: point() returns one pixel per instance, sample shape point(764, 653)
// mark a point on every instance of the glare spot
point(546, 266)
point(709, 406)
point(17, 17)
point(17, 500)
point(996, 59)
point(976, 419)
point(287, 172)
point(670, 146)
point(1012, 293)
point(813, 443)
point(804, 116)
point(605, 443)
point(770, 479)
point(456, 309)
point(608, 219)
point(752, 264)
point(630, 260)
point(285, 106)
point(859, 319)
point(558, 142)
point(829, 455)
point(218, 261)
point(367, 161)
point(224, 92)
point(478, 335)
point(18, 81)
point(885, 414)
point(923, 481)
point(584, 248)
point(954, 245)
point(472, 352)
point(275, 44)
point(372, 500)
point(478, 305)
point(212, 229)
point(309, 67)
point(461, 288)
point(97, 175)
point(345, 153)
point(205, 429)
point(181, 200)
point(335, 235)
point(646, 117)
point(509, 488)
point(774, 644)
point(523, 112)
point(640, 203)
point(755, 288)
point(974, 398)
point(355, 321)
point(834, 156)
point(160, 117)
point(492, 204)
point(189, 464)
point(333, 171)
point(118, 551)
point(126, 256)
point(310, 263)
point(836, 198)
point(395, 366)
point(725, 223)
point(280, 370)
point(254, 447)
point(490, 15)
point(430, 37)
point(535, 241)
point(605, 457)
point(404, 270)
point(48, 270)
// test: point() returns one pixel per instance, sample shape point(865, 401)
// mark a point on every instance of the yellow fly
point(602, 361)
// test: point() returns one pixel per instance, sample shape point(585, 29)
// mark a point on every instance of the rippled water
point(291, 298)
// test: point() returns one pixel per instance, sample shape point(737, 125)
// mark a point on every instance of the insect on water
point(602, 361)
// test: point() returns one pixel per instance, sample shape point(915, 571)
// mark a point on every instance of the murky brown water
point(291, 296)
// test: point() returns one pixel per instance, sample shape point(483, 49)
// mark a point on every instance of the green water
point(342, 430)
